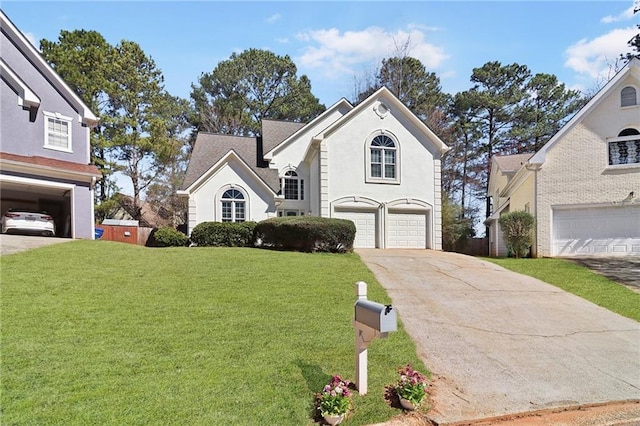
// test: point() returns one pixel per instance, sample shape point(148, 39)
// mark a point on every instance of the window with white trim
point(292, 186)
point(233, 206)
point(625, 149)
point(383, 159)
point(628, 96)
point(57, 131)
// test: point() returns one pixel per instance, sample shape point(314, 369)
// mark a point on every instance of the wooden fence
point(125, 234)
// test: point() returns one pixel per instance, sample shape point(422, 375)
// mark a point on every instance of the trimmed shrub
point(517, 229)
point(306, 233)
point(169, 237)
point(223, 234)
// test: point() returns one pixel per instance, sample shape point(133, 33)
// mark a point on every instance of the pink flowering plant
point(412, 385)
point(335, 397)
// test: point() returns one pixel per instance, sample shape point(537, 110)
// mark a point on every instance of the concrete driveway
point(500, 343)
point(16, 243)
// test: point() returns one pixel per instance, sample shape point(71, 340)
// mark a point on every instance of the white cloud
point(338, 53)
point(624, 16)
point(594, 58)
point(273, 18)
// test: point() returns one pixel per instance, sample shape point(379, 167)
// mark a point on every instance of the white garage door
point(365, 227)
point(407, 230)
point(611, 231)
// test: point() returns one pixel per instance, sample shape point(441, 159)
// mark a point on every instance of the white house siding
point(347, 148)
point(203, 202)
point(575, 171)
point(314, 186)
point(497, 244)
point(291, 156)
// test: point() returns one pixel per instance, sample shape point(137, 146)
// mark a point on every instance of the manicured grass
point(96, 332)
point(578, 280)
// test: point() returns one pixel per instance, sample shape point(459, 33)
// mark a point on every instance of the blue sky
point(335, 42)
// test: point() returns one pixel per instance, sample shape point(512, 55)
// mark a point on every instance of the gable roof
point(276, 131)
point(510, 164)
point(342, 103)
point(32, 54)
point(385, 93)
point(631, 68)
point(210, 148)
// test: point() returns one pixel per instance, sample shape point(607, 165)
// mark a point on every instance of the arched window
point(383, 158)
point(625, 149)
point(628, 96)
point(628, 132)
point(233, 206)
point(292, 186)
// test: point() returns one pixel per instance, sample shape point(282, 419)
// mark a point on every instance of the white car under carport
point(28, 222)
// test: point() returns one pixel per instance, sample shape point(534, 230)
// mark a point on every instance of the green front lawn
point(578, 280)
point(96, 332)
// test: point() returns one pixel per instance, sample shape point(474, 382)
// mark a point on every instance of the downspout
point(535, 168)
point(92, 190)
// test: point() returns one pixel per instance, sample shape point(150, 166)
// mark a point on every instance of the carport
point(34, 194)
point(61, 188)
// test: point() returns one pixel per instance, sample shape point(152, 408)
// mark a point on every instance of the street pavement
point(500, 343)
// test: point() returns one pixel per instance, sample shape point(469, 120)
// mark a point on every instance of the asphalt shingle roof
point(209, 148)
point(275, 131)
point(511, 163)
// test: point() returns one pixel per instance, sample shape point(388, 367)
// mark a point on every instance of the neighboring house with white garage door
point(44, 131)
point(583, 186)
point(375, 163)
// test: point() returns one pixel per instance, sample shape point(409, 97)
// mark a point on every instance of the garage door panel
point(365, 222)
point(407, 230)
point(613, 231)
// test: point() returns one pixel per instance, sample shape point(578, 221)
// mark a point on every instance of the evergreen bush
point(223, 234)
point(517, 230)
point(169, 237)
point(306, 233)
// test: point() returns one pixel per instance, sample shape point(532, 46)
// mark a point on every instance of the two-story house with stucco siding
point(375, 163)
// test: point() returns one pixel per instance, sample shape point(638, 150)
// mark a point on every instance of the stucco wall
point(418, 167)
point(347, 149)
point(83, 211)
point(17, 133)
point(204, 202)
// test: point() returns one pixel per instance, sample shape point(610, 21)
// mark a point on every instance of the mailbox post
point(371, 320)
